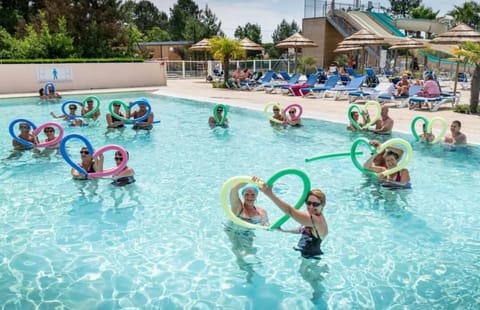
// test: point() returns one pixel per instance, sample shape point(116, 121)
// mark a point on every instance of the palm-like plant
point(224, 49)
point(306, 65)
point(469, 13)
point(471, 53)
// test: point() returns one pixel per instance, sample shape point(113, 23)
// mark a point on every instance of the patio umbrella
point(452, 39)
point(249, 45)
point(203, 45)
point(407, 44)
point(362, 38)
point(341, 49)
point(296, 41)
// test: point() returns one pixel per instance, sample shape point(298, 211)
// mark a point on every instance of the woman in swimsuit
point(400, 178)
point(145, 124)
point(112, 121)
point(126, 176)
point(88, 164)
point(291, 115)
point(376, 162)
point(314, 227)
point(247, 210)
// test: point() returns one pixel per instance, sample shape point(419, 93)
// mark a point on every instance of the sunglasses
point(276, 110)
point(219, 110)
point(84, 152)
point(116, 105)
point(49, 130)
point(291, 112)
point(312, 203)
point(118, 158)
point(24, 127)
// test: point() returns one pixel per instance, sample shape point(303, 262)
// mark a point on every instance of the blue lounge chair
point(372, 79)
point(434, 103)
point(354, 85)
point(272, 87)
point(320, 90)
point(371, 93)
point(266, 79)
point(351, 72)
point(294, 90)
point(399, 101)
point(284, 75)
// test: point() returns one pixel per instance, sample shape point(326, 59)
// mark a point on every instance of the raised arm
point(98, 163)
point(299, 216)
point(235, 201)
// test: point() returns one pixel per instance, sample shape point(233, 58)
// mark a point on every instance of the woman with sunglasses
point(291, 119)
point(72, 116)
point(212, 122)
point(314, 227)
point(88, 163)
point(278, 116)
point(126, 176)
point(25, 134)
point(112, 121)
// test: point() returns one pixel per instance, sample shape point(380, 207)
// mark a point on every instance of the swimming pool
point(160, 243)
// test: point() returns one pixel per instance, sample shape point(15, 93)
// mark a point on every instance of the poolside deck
point(325, 109)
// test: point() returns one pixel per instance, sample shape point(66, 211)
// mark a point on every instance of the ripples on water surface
point(161, 243)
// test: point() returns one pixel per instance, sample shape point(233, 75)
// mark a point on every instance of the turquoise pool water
point(160, 243)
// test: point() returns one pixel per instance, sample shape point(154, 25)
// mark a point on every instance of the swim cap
point(255, 189)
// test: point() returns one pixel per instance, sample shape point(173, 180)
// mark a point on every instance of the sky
point(270, 13)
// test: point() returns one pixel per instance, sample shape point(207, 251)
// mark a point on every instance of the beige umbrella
point(249, 45)
point(341, 49)
point(363, 38)
point(203, 45)
point(296, 41)
point(407, 44)
point(452, 39)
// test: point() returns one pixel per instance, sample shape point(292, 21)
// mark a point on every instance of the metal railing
point(185, 69)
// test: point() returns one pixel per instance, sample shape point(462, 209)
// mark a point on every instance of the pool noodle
point(332, 155)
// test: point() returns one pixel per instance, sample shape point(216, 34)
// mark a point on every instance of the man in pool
point(212, 122)
point(90, 107)
point(385, 124)
point(456, 137)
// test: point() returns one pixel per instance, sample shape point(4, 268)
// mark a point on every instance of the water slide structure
point(348, 22)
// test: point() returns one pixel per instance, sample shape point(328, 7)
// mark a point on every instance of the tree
point(97, 27)
point(156, 34)
point(179, 15)
point(251, 31)
point(403, 7)
point(147, 16)
point(224, 49)
point(284, 30)
point(469, 14)
point(471, 52)
point(211, 22)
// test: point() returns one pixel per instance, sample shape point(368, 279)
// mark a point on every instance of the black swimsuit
point(122, 181)
point(117, 120)
point(309, 245)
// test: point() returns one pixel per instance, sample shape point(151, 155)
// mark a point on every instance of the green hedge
point(69, 60)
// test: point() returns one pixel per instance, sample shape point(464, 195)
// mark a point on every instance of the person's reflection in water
point(243, 248)
point(313, 271)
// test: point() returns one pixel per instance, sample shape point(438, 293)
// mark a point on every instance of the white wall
point(27, 78)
